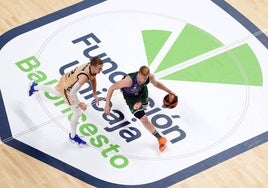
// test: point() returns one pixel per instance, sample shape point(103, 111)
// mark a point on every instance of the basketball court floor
point(209, 53)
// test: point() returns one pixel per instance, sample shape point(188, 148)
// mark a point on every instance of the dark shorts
point(135, 102)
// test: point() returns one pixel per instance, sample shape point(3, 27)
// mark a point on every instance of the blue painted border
point(6, 37)
point(168, 181)
point(243, 21)
point(5, 132)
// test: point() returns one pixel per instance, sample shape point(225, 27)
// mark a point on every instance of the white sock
point(74, 121)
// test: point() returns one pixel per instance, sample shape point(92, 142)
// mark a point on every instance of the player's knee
point(139, 114)
point(77, 111)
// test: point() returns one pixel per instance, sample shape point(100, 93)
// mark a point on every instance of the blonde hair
point(144, 71)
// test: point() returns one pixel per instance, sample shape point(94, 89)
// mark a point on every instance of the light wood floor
point(17, 170)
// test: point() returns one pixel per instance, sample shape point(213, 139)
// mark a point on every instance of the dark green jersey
point(135, 87)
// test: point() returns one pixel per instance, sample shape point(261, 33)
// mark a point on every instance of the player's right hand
point(107, 108)
point(83, 106)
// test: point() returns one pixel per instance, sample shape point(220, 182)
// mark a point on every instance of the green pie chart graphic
point(227, 67)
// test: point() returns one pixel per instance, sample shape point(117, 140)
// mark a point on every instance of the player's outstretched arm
point(160, 85)
point(126, 82)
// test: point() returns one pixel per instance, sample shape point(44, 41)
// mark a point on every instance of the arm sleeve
point(74, 91)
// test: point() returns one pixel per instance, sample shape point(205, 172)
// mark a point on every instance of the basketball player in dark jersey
point(135, 92)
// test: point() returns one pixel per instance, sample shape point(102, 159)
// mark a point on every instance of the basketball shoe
point(162, 143)
point(31, 88)
point(76, 139)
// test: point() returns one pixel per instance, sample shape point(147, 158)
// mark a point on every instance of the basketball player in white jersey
point(68, 87)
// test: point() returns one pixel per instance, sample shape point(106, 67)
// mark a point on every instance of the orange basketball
point(170, 101)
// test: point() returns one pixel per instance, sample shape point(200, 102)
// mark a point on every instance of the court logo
point(31, 66)
point(168, 56)
point(200, 64)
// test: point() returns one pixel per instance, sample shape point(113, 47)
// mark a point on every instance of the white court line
point(42, 124)
point(35, 127)
point(164, 50)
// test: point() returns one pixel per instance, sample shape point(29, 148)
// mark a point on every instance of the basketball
point(170, 101)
